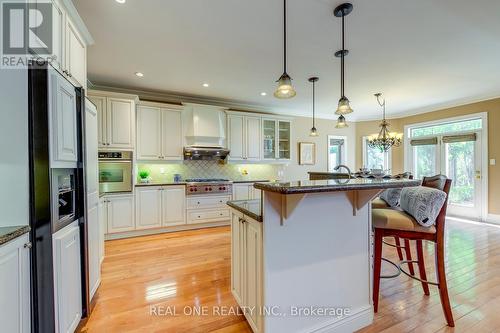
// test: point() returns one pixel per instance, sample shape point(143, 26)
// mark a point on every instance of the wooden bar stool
point(395, 223)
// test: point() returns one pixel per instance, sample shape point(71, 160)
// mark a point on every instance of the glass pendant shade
point(344, 107)
point(314, 132)
point(341, 122)
point(285, 89)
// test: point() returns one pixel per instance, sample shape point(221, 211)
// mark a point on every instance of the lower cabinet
point(246, 267)
point(158, 206)
point(119, 210)
point(206, 209)
point(15, 313)
point(245, 191)
point(94, 245)
point(67, 278)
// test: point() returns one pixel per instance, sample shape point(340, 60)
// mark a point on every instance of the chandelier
point(385, 139)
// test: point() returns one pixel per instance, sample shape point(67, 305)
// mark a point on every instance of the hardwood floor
point(185, 269)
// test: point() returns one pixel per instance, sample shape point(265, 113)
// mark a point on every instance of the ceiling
point(422, 55)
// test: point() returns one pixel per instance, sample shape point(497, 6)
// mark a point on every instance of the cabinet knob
point(28, 245)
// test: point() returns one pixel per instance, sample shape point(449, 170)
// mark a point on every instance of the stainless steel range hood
point(205, 153)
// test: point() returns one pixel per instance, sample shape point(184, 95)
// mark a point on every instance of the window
point(456, 126)
point(373, 158)
point(336, 151)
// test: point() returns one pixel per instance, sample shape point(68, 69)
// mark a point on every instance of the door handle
point(28, 245)
point(478, 174)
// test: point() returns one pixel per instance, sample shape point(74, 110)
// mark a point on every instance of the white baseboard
point(493, 218)
point(147, 232)
point(355, 321)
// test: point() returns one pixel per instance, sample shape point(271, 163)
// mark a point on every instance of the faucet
point(338, 167)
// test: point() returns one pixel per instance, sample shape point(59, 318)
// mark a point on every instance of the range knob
point(224, 188)
point(220, 188)
point(196, 189)
point(206, 189)
point(191, 189)
point(210, 189)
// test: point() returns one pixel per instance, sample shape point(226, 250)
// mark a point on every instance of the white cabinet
point(58, 36)
point(158, 206)
point(62, 124)
point(205, 209)
point(94, 247)
point(244, 137)
point(116, 119)
point(245, 191)
point(15, 285)
point(76, 55)
point(120, 213)
point(246, 266)
point(67, 278)
point(159, 132)
point(103, 225)
point(276, 139)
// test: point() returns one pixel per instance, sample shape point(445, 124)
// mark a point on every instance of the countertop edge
point(11, 235)
point(234, 204)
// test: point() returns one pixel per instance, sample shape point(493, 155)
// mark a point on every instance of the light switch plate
point(493, 161)
point(162, 171)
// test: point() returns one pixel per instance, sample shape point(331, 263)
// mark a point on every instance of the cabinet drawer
point(211, 215)
point(207, 202)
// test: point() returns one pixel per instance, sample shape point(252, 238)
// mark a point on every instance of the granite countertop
point(250, 208)
point(249, 181)
point(160, 184)
point(333, 185)
point(9, 233)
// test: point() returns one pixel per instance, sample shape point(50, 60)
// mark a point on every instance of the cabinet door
point(63, 122)
point(252, 142)
point(253, 272)
point(76, 55)
point(148, 133)
point(100, 104)
point(58, 37)
point(237, 274)
point(120, 213)
point(148, 207)
point(91, 148)
point(120, 123)
point(15, 286)
point(255, 193)
point(94, 247)
point(269, 138)
point(241, 192)
point(67, 278)
point(284, 136)
point(103, 225)
point(236, 139)
point(171, 124)
point(174, 205)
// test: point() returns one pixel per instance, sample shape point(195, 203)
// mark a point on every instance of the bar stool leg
point(408, 256)
point(421, 267)
point(398, 248)
point(443, 287)
point(377, 263)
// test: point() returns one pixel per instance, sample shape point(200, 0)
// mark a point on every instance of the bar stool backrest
point(442, 183)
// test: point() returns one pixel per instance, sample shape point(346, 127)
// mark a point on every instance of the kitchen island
point(307, 266)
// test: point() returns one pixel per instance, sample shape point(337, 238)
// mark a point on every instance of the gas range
point(196, 186)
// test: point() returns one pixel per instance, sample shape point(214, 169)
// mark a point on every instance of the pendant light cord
point(284, 36)
point(314, 94)
point(342, 59)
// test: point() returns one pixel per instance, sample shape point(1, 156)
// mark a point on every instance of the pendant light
point(341, 123)
point(285, 89)
point(385, 139)
point(343, 107)
point(314, 131)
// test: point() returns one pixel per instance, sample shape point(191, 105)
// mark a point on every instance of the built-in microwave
point(63, 198)
point(115, 171)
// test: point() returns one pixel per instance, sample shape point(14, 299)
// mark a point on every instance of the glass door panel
point(269, 139)
point(284, 140)
point(425, 161)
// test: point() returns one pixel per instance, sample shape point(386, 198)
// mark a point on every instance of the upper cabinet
point(159, 132)
point(70, 39)
point(256, 137)
point(116, 119)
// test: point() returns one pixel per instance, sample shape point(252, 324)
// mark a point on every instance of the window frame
point(343, 152)
point(387, 155)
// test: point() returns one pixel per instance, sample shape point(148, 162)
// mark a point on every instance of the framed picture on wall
point(307, 153)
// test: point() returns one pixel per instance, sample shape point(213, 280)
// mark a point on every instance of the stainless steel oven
point(115, 171)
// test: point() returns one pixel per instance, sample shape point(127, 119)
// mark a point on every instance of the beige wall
point(492, 107)
point(300, 133)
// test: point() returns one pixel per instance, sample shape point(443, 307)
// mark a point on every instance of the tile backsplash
point(160, 172)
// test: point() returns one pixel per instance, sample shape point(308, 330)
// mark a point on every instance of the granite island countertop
point(250, 208)
point(9, 233)
point(335, 185)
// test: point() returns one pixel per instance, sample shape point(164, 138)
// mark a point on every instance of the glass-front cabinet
point(276, 139)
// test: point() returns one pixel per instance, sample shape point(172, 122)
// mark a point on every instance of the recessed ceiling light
point(206, 85)
point(121, 1)
point(139, 74)
point(263, 93)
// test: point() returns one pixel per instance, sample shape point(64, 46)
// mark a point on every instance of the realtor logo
point(26, 32)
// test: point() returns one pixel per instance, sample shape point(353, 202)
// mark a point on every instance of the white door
point(67, 278)
point(148, 207)
point(94, 247)
point(120, 213)
point(76, 55)
point(241, 192)
point(63, 122)
point(148, 133)
point(236, 125)
point(237, 274)
point(103, 225)
point(253, 271)
point(174, 205)
point(171, 139)
point(120, 123)
point(15, 286)
point(100, 103)
point(58, 37)
point(91, 148)
point(253, 138)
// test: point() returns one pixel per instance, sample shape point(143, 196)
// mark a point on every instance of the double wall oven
point(115, 171)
